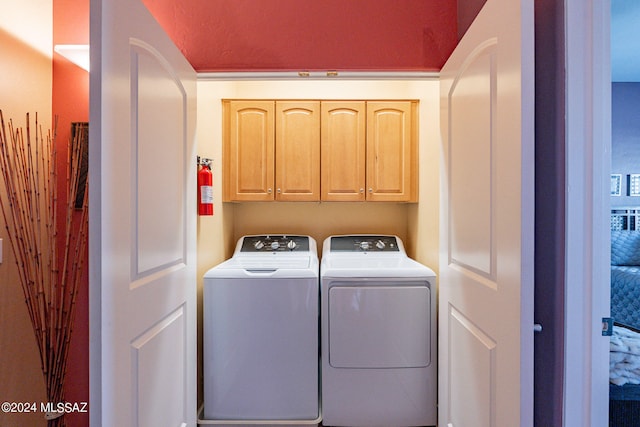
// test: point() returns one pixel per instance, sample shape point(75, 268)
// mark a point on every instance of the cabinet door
point(249, 133)
point(297, 150)
point(343, 147)
point(390, 151)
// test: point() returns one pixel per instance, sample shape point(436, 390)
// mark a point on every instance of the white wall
point(26, 38)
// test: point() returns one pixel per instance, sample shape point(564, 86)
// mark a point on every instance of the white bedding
point(624, 362)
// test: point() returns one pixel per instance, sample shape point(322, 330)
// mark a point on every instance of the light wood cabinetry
point(391, 151)
point(248, 150)
point(271, 150)
point(320, 150)
point(343, 150)
point(297, 167)
point(369, 151)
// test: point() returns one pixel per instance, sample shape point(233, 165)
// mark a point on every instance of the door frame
point(587, 239)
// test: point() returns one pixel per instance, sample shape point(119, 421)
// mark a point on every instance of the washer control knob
point(258, 245)
point(364, 246)
point(275, 245)
point(291, 245)
point(380, 244)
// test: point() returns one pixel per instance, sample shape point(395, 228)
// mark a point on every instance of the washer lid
point(265, 267)
point(270, 263)
point(270, 256)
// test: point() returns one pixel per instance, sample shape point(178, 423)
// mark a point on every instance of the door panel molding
point(472, 405)
point(158, 364)
point(472, 166)
point(158, 112)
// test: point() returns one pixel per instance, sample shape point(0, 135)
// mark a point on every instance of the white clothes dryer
point(378, 327)
point(260, 333)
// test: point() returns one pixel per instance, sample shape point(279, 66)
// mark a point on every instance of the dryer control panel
point(368, 243)
point(275, 243)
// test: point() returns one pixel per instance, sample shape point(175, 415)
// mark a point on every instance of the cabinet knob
point(279, 191)
point(269, 190)
point(361, 190)
point(370, 190)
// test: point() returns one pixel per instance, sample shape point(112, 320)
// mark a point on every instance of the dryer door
point(381, 326)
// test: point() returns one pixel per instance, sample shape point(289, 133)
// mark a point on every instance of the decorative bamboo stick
point(29, 206)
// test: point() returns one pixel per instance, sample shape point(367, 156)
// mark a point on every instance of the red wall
point(242, 35)
point(70, 102)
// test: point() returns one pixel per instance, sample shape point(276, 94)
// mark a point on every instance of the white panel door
point(486, 271)
point(142, 214)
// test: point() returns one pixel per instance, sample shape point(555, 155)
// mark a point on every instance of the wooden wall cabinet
point(271, 150)
point(343, 148)
point(391, 151)
point(248, 150)
point(320, 150)
point(297, 167)
point(369, 151)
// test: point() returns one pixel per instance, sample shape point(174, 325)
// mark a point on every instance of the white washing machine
point(378, 334)
point(260, 333)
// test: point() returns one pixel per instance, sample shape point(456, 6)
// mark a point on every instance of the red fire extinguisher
point(205, 188)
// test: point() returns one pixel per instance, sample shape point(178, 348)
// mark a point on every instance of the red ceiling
point(270, 35)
